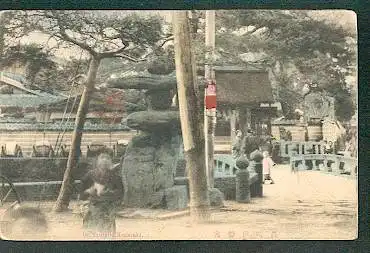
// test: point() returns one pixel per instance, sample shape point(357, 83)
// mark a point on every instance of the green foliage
point(32, 56)
point(321, 52)
point(101, 34)
point(162, 62)
point(93, 31)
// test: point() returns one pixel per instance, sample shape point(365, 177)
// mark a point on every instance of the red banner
point(210, 99)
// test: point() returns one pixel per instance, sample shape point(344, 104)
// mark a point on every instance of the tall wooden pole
point(191, 116)
point(65, 192)
point(210, 114)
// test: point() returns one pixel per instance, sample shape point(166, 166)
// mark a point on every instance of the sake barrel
point(298, 132)
point(314, 132)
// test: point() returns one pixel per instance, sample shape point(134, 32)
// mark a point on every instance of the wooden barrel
point(275, 131)
point(298, 133)
point(314, 132)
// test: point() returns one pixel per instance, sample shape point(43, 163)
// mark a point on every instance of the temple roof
point(238, 85)
point(18, 81)
point(107, 100)
point(26, 100)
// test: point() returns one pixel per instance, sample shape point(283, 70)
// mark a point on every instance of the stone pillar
point(248, 118)
point(304, 163)
point(243, 120)
point(326, 164)
point(232, 114)
point(257, 157)
point(243, 194)
point(335, 167)
point(149, 164)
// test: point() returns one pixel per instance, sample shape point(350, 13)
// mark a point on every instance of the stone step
point(172, 215)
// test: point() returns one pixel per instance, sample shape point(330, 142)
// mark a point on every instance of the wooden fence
point(26, 139)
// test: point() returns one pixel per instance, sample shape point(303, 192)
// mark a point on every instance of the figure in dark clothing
point(103, 189)
point(328, 148)
point(236, 146)
point(266, 144)
point(250, 143)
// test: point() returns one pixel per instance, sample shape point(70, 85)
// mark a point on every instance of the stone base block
point(216, 197)
point(157, 200)
point(227, 186)
point(176, 197)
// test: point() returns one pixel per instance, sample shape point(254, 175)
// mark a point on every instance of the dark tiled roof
point(19, 82)
point(21, 126)
point(26, 100)
point(99, 101)
point(232, 68)
point(238, 86)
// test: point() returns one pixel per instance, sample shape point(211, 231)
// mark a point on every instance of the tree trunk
point(191, 115)
point(243, 119)
point(66, 188)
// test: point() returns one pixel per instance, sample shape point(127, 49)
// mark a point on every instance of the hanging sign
point(210, 99)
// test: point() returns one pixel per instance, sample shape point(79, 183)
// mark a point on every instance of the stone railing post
point(257, 157)
point(335, 167)
point(243, 193)
point(314, 166)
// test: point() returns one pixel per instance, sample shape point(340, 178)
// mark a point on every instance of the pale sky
point(345, 18)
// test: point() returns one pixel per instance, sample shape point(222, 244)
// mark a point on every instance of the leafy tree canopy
point(297, 48)
point(125, 36)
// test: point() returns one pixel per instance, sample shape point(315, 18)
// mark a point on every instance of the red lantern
point(210, 100)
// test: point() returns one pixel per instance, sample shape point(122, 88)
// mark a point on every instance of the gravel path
point(311, 206)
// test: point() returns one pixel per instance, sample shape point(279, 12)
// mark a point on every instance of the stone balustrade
point(293, 148)
point(225, 175)
point(335, 164)
point(225, 166)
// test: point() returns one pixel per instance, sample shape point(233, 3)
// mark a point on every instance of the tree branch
point(113, 53)
point(65, 36)
point(166, 40)
point(127, 57)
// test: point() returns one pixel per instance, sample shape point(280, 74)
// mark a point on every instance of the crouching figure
point(103, 189)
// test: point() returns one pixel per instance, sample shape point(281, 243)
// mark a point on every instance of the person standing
point(328, 147)
point(267, 164)
point(236, 146)
point(250, 143)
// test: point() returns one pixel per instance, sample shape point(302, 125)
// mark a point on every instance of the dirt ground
point(311, 205)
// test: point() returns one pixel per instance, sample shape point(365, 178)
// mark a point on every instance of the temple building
point(28, 116)
point(244, 100)
point(20, 102)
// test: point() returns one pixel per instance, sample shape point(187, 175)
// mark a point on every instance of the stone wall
point(38, 169)
point(29, 175)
